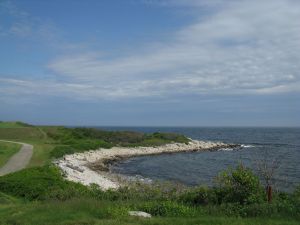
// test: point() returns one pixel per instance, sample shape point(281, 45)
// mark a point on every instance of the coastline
point(92, 167)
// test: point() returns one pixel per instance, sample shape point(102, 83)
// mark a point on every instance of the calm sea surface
point(262, 145)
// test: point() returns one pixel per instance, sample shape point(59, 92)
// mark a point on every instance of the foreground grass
point(90, 211)
point(40, 195)
point(7, 150)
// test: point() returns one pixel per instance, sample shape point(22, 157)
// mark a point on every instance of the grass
point(54, 141)
point(7, 150)
point(71, 140)
point(31, 135)
point(13, 124)
point(90, 211)
point(41, 153)
point(21, 133)
point(40, 195)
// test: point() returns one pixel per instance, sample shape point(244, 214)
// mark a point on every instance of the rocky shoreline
point(92, 167)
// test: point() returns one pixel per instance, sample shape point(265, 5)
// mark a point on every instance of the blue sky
point(150, 62)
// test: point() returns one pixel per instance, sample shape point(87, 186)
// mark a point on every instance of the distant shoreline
point(92, 167)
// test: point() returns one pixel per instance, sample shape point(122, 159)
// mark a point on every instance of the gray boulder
point(140, 214)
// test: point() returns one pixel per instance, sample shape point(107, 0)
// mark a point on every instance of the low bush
point(78, 146)
point(199, 196)
point(47, 183)
point(167, 208)
point(122, 138)
point(41, 183)
point(239, 185)
point(61, 150)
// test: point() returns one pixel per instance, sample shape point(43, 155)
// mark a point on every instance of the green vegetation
point(239, 186)
point(54, 141)
point(41, 195)
point(13, 124)
point(21, 133)
point(71, 140)
point(7, 150)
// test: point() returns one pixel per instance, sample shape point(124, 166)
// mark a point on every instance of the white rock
point(75, 166)
point(139, 213)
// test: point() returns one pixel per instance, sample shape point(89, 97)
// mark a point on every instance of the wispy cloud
point(189, 3)
point(16, 22)
point(247, 47)
point(250, 47)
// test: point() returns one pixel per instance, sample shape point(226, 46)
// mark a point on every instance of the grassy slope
point(31, 135)
point(13, 124)
point(7, 150)
point(44, 139)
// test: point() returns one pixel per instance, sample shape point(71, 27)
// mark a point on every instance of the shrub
point(167, 208)
point(78, 146)
point(199, 196)
point(239, 186)
point(40, 183)
point(124, 138)
point(61, 150)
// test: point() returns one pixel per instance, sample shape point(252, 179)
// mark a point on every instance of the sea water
point(277, 148)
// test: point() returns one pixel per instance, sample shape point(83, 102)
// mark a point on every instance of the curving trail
point(19, 160)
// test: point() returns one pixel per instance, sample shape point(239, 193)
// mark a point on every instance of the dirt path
point(19, 160)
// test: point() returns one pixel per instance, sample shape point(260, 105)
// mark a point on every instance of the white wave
point(247, 146)
point(237, 148)
point(137, 178)
point(226, 149)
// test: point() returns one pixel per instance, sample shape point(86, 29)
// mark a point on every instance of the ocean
point(277, 148)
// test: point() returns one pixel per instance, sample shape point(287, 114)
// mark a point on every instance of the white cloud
point(247, 47)
point(251, 46)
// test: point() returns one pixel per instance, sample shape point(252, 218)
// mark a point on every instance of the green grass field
point(7, 150)
point(30, 135)
point(40, 194)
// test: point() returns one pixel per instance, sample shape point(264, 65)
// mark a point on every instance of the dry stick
point(267, 171)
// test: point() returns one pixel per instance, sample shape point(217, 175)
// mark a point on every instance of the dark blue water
point(264, 146)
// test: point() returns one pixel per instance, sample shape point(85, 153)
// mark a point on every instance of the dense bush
point(78, 146)
point(71, 140)
point(199, 196)
point(61, 150)
point(239, 185)
point(123, 138)
point(46, 183)
point(41, 183)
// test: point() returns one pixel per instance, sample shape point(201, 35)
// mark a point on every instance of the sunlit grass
point(7, 150)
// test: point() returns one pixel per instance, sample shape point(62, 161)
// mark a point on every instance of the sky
point(150, 62)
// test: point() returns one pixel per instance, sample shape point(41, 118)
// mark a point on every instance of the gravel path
point(19, 160)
